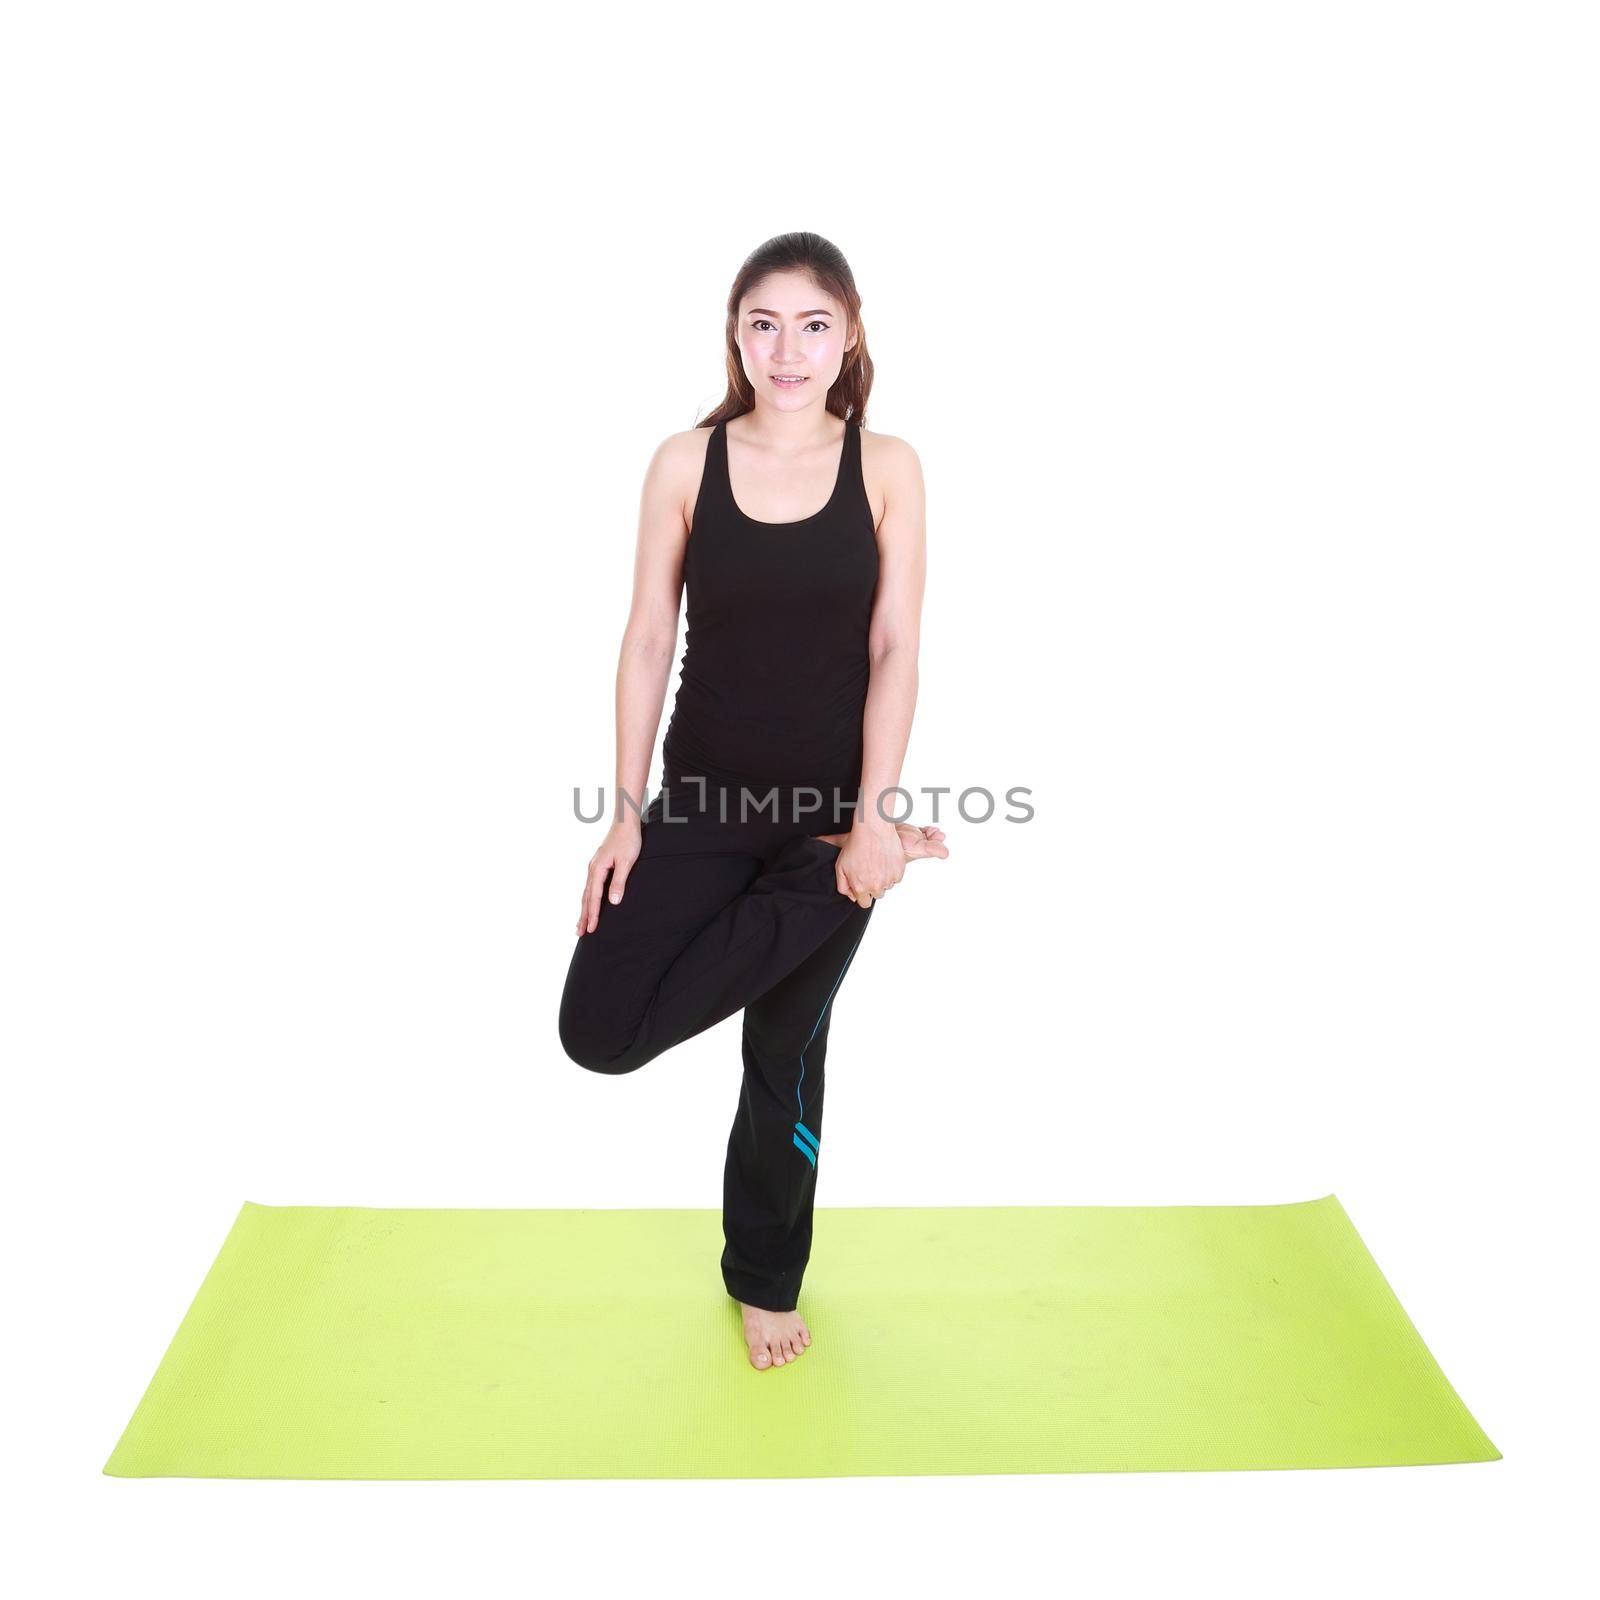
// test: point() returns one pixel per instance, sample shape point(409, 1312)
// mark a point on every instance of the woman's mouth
point(784, 382)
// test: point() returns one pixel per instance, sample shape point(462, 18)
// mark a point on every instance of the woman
point(750, 878)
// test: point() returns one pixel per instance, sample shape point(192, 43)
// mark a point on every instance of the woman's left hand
point(872, 862)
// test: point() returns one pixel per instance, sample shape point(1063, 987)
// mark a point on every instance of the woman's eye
point(761, 324)
point(821, 327)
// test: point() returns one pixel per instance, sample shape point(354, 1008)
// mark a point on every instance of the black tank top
point(775, 668)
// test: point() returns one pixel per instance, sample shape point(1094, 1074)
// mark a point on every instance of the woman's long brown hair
point(824, 263)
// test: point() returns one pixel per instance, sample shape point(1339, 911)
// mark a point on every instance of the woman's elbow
point(649, 643)
point(901, 652)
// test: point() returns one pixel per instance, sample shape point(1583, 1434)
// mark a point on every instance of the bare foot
point(774, 1337)
point(917, 843)
point(920, 842)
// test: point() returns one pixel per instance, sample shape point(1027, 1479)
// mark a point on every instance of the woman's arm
point(644, 663)
point(873, 859)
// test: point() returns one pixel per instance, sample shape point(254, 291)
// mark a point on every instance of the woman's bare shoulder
point(678, 461)
point(892, 472)
point(683, 449)
point(672, 481)
point(888, 453)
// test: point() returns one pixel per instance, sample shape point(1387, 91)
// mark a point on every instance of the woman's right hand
point(617, 853)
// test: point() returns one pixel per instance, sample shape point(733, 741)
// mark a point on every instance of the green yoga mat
point(348, 1342)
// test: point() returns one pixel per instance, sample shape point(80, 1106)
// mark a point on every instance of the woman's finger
point(852, 891)
point(619, 879)
point(591, 907)
point(583, 901)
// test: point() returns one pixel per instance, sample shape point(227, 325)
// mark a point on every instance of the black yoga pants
point(719, 915)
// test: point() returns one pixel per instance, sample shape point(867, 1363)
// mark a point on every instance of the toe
point(777, 1353)
point(758, 1356)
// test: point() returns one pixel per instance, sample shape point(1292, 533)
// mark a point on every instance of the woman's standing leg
point(770, 1179)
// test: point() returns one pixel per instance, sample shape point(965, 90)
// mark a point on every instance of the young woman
point(750, 878)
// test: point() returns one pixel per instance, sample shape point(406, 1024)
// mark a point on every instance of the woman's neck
point(788, 432)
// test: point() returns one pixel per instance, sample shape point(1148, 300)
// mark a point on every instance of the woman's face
point(792, 340)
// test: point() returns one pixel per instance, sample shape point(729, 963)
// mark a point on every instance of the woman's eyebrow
point(761, 311)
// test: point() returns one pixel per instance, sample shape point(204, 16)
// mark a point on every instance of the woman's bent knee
point(611, 1065)
point(592, 1049)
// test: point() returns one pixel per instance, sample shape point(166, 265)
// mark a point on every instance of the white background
point(1250, 354)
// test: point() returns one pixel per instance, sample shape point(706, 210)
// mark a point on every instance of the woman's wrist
point(868, 821)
